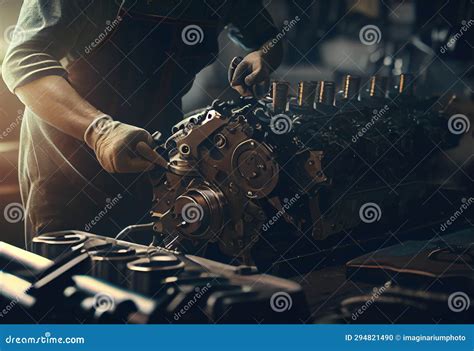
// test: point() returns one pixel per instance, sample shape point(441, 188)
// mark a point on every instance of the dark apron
point(138, 75)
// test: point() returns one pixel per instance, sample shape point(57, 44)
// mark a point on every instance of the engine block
point(315, 166)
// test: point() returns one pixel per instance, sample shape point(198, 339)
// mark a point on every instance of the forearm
point(56, 102)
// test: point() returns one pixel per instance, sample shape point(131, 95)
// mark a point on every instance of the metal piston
point(110, 264)
point(56, 244)
point(280, 92)
point(147, 273)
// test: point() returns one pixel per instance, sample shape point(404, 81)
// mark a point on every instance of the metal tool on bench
point(107, 280)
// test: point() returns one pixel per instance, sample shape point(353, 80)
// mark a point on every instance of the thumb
point(240, 72)
point(145, 151)
point(255, 77)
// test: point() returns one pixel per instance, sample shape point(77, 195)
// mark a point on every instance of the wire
point(134, 228)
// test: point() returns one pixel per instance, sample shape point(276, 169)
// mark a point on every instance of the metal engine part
point(104, 280)
point(236, 168)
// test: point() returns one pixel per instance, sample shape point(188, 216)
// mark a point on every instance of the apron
point(138, 75)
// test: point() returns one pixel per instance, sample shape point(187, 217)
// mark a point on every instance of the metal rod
point(134, 228)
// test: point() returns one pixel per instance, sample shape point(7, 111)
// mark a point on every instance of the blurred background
point(432, 39)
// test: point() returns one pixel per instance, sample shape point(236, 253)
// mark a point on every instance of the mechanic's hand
point(120, 147)
point(251, 71)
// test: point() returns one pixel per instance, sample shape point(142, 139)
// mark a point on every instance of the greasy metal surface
point(238, 168)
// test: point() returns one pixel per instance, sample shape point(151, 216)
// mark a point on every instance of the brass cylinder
point(280, 96)
point(405, 84)
point(325, 92)
point(378, 86)
point(350, 87)
point(306, 94)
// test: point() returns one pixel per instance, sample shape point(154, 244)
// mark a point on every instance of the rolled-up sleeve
point(45, 31)
point(251, 24)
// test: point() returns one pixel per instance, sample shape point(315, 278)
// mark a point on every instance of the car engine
point(319, 163)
